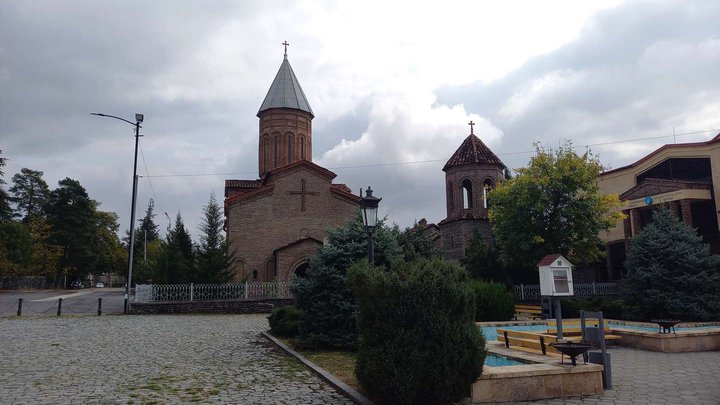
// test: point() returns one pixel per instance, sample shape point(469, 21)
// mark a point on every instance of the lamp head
point(139, 117)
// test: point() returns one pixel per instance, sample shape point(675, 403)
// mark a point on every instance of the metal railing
point(211, 292)
point(532, 291)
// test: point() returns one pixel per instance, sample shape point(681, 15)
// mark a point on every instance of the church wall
point(289, 258)
point(457, 235)
point(259, 227)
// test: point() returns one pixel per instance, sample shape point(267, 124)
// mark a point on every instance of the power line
point(147, 174)
point(441, 160)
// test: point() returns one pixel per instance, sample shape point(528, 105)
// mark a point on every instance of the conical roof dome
point(285, 92)
point(472, 151)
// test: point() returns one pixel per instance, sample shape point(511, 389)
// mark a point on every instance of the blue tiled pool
point(498, 361)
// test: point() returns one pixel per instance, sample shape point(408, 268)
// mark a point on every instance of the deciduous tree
point(552, 206)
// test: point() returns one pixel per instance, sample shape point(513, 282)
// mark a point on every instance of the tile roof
point(285, 92)
point(243, 183)
point(549, 259)
point(472, 151)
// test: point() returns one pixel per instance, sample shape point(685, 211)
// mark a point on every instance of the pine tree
point(415, 242)
point(6, 213)
point(70, 212)
point(177, 261)
point(671, 273)
point(328, 305)
point(212, 261)
point(29, 193)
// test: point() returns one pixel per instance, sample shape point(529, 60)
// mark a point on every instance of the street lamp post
point(369, 209)
point(138, 119)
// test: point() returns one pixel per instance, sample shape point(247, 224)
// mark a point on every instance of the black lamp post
point(138, 119)
point(369, 209)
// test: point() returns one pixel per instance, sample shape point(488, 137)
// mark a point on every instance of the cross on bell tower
point(285, 44)
point(472, 125)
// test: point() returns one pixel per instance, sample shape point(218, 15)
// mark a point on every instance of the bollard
point(19, 312)
point(59, 307)
point(99, 306)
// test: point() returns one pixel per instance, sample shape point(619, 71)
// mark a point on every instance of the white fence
point(211, 292)
point(532, 291)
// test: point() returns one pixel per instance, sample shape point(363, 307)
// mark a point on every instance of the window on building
point(302, 147)
point(450, 196)
point(277, 151)
point(467, 194)
point(290, 148)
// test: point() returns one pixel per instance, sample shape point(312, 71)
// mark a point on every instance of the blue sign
point(648, 200)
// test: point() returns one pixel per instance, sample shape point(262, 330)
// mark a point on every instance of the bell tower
point(285, 122)
point(470, 174)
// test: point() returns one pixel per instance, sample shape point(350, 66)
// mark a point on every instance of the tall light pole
point(369, 209)
point(138, 119)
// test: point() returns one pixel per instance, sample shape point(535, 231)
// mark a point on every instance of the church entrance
point(301, 270)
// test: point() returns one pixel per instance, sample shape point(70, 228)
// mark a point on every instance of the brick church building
point(470, 173)
point(276, 222)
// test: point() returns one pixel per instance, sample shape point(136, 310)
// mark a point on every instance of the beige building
point(682, 177)
point(276, 222)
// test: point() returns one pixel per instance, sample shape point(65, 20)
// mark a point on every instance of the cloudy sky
point(392, 84)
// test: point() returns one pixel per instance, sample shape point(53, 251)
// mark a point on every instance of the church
point(276, 222)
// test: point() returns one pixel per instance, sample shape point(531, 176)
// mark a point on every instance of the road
point(75, 302)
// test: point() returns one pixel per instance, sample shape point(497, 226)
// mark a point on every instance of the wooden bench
point(530, 311)
point(572, 328)
point(527, 341)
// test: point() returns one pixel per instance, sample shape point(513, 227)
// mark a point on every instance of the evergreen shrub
point(418, 342)
point(493, 301)
point(671, 273)
point(284, 321)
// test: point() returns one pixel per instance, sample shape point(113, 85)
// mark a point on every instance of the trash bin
point(597, 358)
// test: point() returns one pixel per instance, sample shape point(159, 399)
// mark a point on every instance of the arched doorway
point(301, 270)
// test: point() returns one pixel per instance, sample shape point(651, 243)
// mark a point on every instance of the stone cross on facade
point(472, 124)
point(285, 44)
point(302, 193)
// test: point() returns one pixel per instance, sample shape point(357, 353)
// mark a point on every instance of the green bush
point(493, 301)
point(284, 321)
point(610, 307)
point(418, 342)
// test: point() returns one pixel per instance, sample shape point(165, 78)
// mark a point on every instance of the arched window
point(488, 185)
point(467, 194)
point(277, 151)
point(290, 148)
point(240, 267)
point(302, 147)
point(450, 196)
point(266, 152)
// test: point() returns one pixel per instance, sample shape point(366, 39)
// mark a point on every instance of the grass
point(339, 363)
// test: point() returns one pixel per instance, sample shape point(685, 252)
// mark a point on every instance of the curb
point(343, 388)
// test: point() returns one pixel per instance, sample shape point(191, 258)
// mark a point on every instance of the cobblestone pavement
point(643, 377)
point(218, 359)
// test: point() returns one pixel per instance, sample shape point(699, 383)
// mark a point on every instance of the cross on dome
point(285, 44)
point(472, 124)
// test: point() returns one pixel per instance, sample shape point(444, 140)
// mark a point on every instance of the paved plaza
point(218, 359)
point(222, 359)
